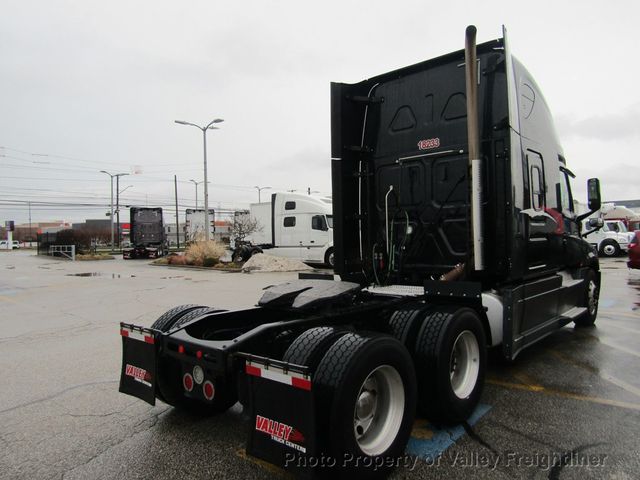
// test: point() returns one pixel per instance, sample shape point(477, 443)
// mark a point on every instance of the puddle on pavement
point(98, 274)
point(635, 284)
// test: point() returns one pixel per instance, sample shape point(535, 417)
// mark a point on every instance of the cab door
point(290, 235)
point(315, 238)
point(541, 222)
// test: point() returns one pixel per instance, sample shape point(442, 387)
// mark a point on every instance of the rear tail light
point(187, 382)
point(208, 390)
point(633, 244)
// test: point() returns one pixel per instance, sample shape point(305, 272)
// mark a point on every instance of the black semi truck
point(148, 239)
point(454, 232)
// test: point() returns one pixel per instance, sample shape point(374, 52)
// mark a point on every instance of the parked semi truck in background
point(454, 232)
point(627, 216)
point(148, 238)
point(194, 228)
point(291, 225)
point(609, 236)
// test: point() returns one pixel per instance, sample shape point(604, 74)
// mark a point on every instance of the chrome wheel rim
point(609, 250)
point(379, 410)
point(464, 364)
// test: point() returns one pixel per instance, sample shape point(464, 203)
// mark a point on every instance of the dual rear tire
point(365, 391)
point(448, 346)
point(368, 390)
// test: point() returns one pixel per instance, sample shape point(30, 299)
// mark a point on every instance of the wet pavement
point(569, 407)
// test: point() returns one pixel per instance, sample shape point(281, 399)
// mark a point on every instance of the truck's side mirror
point(593, 193)
point(596, 223)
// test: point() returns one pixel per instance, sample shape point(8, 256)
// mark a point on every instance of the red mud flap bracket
point(138, 373)
point(282, 428)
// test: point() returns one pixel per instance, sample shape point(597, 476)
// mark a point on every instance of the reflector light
point(198, 374)
point(199, 354)
point(187, 382)
point(208, 390)
point(180, 348)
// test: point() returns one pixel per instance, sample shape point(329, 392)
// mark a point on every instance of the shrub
point(210, 261)
point(177, 260)
point(198, 252)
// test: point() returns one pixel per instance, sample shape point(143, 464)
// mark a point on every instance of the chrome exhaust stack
point(475, 163)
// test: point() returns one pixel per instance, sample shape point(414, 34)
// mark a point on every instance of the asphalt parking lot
point(569, 407)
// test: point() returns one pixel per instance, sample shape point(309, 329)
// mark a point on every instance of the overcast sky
point(92, 86)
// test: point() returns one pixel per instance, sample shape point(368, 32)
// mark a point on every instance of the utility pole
point(111, 215)
point(30, 234)
point(118, 206)
point(175, 183)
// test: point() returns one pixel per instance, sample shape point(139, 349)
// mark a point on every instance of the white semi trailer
point(194, 228)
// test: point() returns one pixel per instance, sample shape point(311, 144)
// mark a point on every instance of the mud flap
point(281, 404)
point(138, 374)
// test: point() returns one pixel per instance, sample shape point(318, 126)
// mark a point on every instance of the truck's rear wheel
point(169, 385)
point(198, 312)
point(366, 389)
point(590, 300)
point(609, 248)
point(309, 347)
point(405, 323)
point(329, 258)
point(168, 318)
point(241, 254)
point(450, 357)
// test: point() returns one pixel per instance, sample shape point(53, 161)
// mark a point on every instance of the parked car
point(634, 251)
point(4, 244)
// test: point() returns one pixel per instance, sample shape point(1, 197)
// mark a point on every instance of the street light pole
point(207, 225)
point(260, 189)
point(118, 175)
point(196, 184)
point(206, 191)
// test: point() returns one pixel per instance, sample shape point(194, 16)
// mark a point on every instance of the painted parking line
point(557, 393)
point(616, 346)
point(599, 372)
point(271, 468)
point(428, 442)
